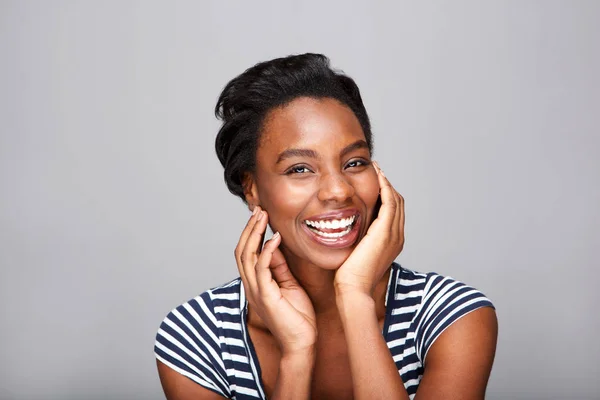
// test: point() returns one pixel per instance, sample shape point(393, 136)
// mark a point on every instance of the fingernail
point(260, 215)
point(275, 236)
point(254, 210)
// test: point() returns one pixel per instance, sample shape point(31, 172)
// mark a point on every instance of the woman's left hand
point(384, 240)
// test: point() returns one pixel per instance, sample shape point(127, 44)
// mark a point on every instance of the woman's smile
point(336, 229)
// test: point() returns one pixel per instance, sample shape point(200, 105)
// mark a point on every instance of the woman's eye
point(356, 163)
point(298, 169)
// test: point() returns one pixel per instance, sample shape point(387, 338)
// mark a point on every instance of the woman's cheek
point(285, 202)
point(369, 188)
point(368, 192)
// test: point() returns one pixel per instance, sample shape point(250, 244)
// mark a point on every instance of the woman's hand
point(381, 245)
point(272, 291)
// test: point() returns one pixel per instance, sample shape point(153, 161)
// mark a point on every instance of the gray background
point(113, 209)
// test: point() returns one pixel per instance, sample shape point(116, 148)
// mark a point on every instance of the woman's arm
point(374, 373)
point(178, 387)
point(294, 378)
point(459, 362)
point(457, 366)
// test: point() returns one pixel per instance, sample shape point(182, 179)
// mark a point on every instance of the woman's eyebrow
point(296, 153)
point(359, 144)
point(289, 153)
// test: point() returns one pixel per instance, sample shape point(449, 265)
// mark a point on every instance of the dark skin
point(305, 299)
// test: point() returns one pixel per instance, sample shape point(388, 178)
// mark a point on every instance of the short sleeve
point(187, 341)
point(445, 301)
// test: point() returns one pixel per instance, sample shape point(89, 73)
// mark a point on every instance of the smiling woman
point(321, 310)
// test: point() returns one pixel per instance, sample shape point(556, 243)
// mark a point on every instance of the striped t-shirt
point(207, 340)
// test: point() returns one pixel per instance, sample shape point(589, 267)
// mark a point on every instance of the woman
point(321, 310)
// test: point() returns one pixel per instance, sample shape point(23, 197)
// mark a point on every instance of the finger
point(253, 247)
point(264, 278)
point(387, 194)
point(400, 207)
point(243, 239)
point(246, 232)
point(397, 229)
point(281, 272)
point(402, 221)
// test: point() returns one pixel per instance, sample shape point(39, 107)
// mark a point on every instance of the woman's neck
point(319, 286)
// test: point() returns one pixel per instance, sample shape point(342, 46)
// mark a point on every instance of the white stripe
point(240, 374)
point(409, 295)
point(405, 310)
point(396, 343)
point(401, 341)
point(411, 282)
point(410, 367)
point(407, 352)
point(398, 326)
point(389, 287)
point(229, 284)
point(224, 296)
point(411, 383)
point(232, 342)
point(245, 390)
point(235, 326)
point(235, 357)
point(227, 310)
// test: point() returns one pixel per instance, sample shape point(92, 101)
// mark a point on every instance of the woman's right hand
point(272, 291)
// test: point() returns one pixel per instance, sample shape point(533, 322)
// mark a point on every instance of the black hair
point(246, 100)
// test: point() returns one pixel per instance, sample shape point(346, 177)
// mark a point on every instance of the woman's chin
point(330, 262)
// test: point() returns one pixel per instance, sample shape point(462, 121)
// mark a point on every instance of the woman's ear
point(250, 190)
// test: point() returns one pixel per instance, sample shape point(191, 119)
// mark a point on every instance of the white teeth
point(332, 234)
point(332, 224)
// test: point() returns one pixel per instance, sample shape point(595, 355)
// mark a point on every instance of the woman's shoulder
point(191, 337)
point(431, 302)
point(429, 286)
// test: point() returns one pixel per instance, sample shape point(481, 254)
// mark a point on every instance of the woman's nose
point(335, 187)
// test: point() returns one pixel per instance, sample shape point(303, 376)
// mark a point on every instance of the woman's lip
point(338, 214)
point(336, 243)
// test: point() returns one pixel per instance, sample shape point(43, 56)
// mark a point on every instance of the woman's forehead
point(310, 123)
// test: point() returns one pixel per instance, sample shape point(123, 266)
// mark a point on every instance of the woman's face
point(315, 179)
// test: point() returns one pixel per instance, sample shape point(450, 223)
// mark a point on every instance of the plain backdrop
point(113, 209)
